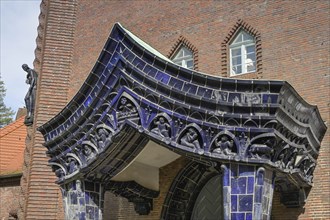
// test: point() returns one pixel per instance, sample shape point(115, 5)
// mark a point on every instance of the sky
point(19, 22)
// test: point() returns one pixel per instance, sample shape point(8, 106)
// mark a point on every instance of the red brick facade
point(293, 39)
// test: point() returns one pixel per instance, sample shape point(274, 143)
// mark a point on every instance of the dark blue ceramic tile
point(234, 168)
point(250, 186)
point(260, 178)
point(258, 194)
point(226, 178)
point(237, 216)
point(246, 170)
point(234, 203)
point(248, 216)
point(245, 202)
point(238, 186)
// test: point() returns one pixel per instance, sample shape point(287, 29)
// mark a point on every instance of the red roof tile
point(12, 145)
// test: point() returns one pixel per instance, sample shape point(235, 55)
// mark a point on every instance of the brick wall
point(9, 201)
point(53, 64)
point(294, 41)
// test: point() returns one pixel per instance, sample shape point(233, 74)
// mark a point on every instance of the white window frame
point(243, 54)
point(183, 60)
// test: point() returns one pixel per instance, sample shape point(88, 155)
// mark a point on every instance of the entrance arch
point(187, 190)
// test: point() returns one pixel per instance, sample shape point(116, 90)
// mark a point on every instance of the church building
point(178, 110)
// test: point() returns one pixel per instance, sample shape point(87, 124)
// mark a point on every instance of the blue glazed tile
point(81, 201)
point(238, 186)
point(82, 216)
point(90, 212)
point(260, 178)
point(165, 79)
point(257, 211)
point(96, 212)
point(208, 93)
point(178, 85)
point(250, 186)
point(226, 194)
point(234, 168)
point(237, 216)
point(201, 91)
point(226, 178)
point(87, 197)
point(73, 198)
point(233, 203)
point(246, 170)
point(258, 194)
point(248, 216)
point(159, 75)
point(245, 203)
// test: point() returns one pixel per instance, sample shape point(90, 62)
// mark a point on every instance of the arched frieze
point(214, 120)
point(231, 122)
point(197, 115)
point(250, 123)
point(191, 139)
point(180, 110)
point(270, 124)
point(139, 91)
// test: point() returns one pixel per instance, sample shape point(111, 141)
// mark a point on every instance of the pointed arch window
point(184, 57)
point(242, 54)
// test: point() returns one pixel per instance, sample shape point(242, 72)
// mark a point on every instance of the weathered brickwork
point(294, 39)
point(9, 201)
point(53, 63)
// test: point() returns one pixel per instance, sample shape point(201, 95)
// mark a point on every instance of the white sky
point(19, 22)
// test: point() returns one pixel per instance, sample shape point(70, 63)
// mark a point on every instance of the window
point(242, 54)
point(184, 57)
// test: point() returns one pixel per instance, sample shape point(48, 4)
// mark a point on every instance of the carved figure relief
point(261, 151)
point(71, 164)
point(191, 139)
point(224, 146)
point(126, 108)
point(30, 97)
point(102, 137)
point(88, 152)
point(162, 127)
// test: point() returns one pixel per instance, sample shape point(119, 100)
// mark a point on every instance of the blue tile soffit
point(133, 95)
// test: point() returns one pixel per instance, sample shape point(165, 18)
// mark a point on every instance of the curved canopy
point(134, 94)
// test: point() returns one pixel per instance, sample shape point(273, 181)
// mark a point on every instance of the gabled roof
point(12, 144)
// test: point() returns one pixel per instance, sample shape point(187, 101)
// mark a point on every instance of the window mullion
point(243, 59)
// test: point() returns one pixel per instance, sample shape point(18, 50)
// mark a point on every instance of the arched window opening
point(184, 57)
point(242, 54)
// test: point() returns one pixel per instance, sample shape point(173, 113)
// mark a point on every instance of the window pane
point(237, 69)
point(236, 52)
point(247, 37)
point(190, 64)
point(250, 49)
point(251, 67)
point(251, 56)
point(237, 60)
point(183, 57)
